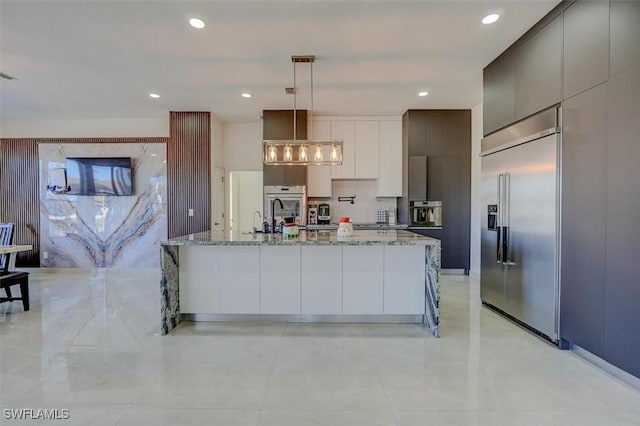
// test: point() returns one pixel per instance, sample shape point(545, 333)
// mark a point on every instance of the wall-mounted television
point(99, 175)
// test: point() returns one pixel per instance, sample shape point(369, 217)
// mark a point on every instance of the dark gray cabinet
point(278, 124)
point(456, 211)
point(418, 178)
point(439, 169)
point(586, 46)
point(417, 132)
point(584, 220)
point(625, 33)
point(538, 70)
point(435, 178)
point(623, 222)
point(499, 93)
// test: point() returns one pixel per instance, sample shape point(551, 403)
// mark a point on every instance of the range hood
point(302, 152)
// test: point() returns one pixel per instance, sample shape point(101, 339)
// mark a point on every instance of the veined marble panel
point(432, 289)
point(104, 231)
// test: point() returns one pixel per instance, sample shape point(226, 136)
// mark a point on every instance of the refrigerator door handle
point(506, 237)
point(499, 220)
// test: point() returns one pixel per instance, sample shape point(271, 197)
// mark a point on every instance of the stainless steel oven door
point(294, 201)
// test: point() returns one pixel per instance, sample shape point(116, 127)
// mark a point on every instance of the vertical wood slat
point(189, 173)
point(19, 197)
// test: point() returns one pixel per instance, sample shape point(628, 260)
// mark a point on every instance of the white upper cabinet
point(367, 149)
point(319, 177)
point(390, 159)
point(345, 131)
point(372, 149)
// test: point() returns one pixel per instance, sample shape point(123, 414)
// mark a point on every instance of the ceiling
point(101, 58)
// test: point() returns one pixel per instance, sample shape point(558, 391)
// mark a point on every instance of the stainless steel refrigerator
point(520, 223)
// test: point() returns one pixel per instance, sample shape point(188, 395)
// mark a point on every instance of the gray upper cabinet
point(418, 132)
point(625, 33)
point(538, 70)
point(586, 46)
point(498, 97)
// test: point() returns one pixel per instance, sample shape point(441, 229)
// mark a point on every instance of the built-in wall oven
point(294, 203)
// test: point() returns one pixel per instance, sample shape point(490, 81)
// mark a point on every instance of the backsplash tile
point(365, 204)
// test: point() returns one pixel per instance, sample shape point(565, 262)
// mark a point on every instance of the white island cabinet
point(239, 280)
point(374, 276)
point(322, 280)
point(280, 280)
point(362, 289)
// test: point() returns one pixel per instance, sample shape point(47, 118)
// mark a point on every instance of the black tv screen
point(99, 176)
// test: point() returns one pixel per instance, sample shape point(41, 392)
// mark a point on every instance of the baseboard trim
point(612, 370)
point(261, 318)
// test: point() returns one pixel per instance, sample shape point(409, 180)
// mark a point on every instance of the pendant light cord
point(295, 113)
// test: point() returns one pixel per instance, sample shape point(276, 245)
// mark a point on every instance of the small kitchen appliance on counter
point(345, 227)
point(382, 216)
point(313, 214)
point(324, 214)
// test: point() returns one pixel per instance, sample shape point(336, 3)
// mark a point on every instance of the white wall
point(243, 146)
point(476, 208)
point(217, 142)
point(84, 128)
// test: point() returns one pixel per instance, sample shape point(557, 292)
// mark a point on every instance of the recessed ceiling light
point(490, 19)
point(247, 95)
point(423, 93)
point(196, 23)
point(154, 95)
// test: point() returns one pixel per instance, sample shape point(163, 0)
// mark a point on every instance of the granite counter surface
point(360, 237)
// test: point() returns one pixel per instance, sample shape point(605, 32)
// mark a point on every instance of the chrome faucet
point(273, 213)
point(254, 229)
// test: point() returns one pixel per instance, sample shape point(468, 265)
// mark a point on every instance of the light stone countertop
point(360, 237)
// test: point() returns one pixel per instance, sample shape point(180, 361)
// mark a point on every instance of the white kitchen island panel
point(280, 280)
point(199, 278)
point(240, 280)
point(322, 280)
point(388, 276)
point(404, 275)
point(362, 286)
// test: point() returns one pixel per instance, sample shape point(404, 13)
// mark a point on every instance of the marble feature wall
point(104, 231)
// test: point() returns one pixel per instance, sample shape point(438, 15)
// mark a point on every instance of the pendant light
point(296, 152)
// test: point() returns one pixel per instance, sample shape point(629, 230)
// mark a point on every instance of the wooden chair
point(10, 278)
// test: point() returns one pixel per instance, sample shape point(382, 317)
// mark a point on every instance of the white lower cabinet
point(280, 280)
point(240, 279)
point(362, 274)
point(322, 280)
point(404, 280)
point(199, 279)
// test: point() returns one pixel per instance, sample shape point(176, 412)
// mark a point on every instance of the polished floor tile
point(91, 344)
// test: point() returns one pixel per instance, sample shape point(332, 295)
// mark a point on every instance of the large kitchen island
point(384, 276)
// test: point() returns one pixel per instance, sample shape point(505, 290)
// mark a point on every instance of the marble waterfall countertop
point(360, 237)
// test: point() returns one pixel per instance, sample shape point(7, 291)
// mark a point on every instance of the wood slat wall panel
point(189, 173)
point(19, 186)
point(19, 199)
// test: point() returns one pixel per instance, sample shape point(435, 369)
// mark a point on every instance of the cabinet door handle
point(499, 220)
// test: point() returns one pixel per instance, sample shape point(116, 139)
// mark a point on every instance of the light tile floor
point(90, 345)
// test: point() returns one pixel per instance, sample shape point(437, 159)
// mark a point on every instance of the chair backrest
point(6, 238)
